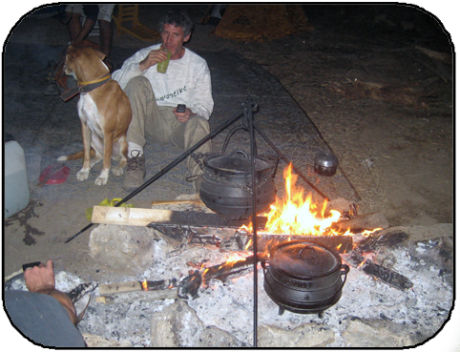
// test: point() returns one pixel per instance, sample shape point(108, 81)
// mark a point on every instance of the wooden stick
point(152, 217)
point(130, 286)
point(190, 201)
point(129, 216)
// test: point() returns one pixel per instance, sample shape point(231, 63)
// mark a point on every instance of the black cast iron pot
point(227, 184)
point(304, 277)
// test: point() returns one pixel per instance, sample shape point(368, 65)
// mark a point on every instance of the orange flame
point(297, 214)
point(248, 244)
point(144, 285)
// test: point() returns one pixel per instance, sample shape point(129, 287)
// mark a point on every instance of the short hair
point(177, 18)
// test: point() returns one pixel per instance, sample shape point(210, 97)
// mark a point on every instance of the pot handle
point(238, 151)
point(264, 265)
point(232, 132)
point(344, 269)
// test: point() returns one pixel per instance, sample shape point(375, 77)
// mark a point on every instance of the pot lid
point(236, 163)
point(326, 160)
point(304, 259)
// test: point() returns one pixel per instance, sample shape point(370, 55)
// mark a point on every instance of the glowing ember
point(144, 285)
point(296, 214)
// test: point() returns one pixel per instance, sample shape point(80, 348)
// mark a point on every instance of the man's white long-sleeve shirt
point(187, 80)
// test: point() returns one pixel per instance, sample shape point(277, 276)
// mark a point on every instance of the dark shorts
point(42, 319)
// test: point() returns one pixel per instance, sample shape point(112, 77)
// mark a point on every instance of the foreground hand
point(154, 57)
point(40, 277)
point(183, 116)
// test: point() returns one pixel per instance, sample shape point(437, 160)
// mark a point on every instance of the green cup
point(163, 66)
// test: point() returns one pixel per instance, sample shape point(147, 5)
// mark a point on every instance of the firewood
point(362, 222)
point(388, 276)
point(436, 55)
point(130, 286)
point(154, 217)
point(337, 243)
point(175, 201)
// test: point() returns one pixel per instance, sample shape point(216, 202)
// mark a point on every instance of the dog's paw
point(102, 179)
point(83, 174)
point(117, 171)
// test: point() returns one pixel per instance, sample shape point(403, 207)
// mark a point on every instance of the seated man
point(43, 314)
point(154, 97)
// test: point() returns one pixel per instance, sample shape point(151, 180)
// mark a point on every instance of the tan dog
point(104, 111)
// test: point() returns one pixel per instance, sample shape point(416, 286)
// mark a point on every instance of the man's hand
point(40, 278)
point(183, 116)
point(154, 57)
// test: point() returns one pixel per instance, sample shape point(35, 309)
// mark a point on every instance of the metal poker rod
point(167, 168)
point(249, 117)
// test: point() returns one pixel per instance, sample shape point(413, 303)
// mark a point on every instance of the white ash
point(229, 306)
point(420, 310)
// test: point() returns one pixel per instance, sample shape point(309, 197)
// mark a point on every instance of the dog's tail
point(74, 156)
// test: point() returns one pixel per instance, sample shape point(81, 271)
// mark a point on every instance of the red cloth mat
point(56, 174)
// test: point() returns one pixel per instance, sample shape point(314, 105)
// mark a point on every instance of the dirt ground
point(395, 146)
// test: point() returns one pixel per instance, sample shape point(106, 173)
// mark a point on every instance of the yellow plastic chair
point(129, 14)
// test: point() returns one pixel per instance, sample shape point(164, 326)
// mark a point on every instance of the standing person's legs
point(73, 14)
point(77, 32)
point(105, 28)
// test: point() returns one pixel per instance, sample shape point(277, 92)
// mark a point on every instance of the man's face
point(173, 39)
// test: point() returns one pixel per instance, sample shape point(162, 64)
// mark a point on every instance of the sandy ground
point(398, 156)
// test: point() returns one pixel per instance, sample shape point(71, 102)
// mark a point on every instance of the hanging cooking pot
point(326, 164)
point(226, 187)
point(304, 277)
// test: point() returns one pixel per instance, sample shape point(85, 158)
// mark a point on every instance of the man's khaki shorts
point(105, 11)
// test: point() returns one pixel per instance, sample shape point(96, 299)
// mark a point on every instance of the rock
point(98, 341)
point(307, 335)
point(179, 326)
point(126, 248)
point(377, 333)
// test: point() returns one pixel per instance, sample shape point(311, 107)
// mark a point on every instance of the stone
point(98, 341)
point(307, 335)
point(125, 248)
point(376, 333)
point(179, 326)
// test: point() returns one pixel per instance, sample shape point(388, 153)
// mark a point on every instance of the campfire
point(320, 272)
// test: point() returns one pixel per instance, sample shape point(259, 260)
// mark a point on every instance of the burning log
point(361, 223)
point(230, 269)
point(190, 285)
point(133, 286)
point(377, 271)
point(336, 243)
